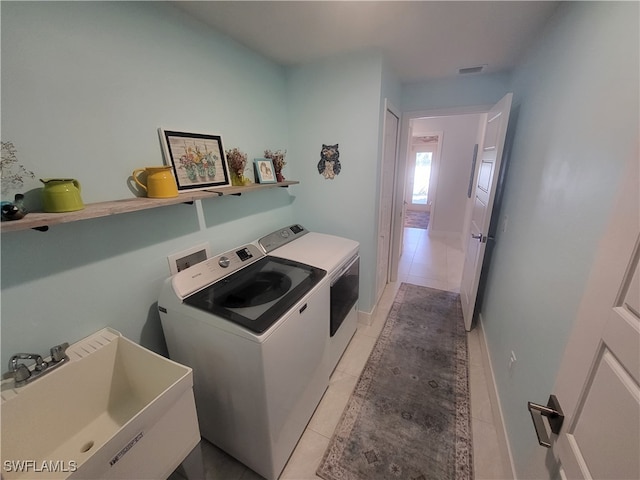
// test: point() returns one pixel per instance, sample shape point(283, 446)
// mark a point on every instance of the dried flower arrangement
point(237, 163)
point(237, 160)
point(12, 180)
point(277, 158)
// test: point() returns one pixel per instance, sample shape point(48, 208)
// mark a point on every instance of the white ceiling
point(421, 39)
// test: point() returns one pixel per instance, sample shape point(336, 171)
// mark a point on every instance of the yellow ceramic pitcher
point(160, 182)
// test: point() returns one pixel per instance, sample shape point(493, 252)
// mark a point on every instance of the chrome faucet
point(23, 375)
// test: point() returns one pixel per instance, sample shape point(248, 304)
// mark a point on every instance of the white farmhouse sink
point(115, 410)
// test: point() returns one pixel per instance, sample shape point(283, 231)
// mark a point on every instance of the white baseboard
point(444, 234)
point(366, 318)
point(495, 400)
point(382, 306)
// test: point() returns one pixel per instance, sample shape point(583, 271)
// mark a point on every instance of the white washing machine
point(340, 258)
point(254, 329)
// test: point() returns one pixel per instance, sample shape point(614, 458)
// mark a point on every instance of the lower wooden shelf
point(41, 221)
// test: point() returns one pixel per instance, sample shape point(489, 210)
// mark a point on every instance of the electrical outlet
point(187, 258)
point(512, 362)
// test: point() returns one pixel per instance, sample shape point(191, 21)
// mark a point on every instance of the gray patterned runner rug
point(409, 415)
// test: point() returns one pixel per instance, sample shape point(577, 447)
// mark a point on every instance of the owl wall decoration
point(329, 164)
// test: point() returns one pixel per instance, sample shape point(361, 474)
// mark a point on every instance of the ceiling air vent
point(468, 70)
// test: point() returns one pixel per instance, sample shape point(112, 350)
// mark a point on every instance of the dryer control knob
point(224, 262)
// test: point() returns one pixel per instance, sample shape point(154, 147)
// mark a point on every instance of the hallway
point(437, 263)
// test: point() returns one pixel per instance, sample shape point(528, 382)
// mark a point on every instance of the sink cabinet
point(114, 410)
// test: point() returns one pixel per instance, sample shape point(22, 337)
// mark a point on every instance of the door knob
point(553, 412)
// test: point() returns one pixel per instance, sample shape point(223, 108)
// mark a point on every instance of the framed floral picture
point(197, 159)
point(264, 170)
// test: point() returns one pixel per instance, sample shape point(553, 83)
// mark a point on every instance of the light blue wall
point(338, 101)
point(455, 92)
point(86, 84)
point(391, 86)
point(577, 96)
point(84, 87)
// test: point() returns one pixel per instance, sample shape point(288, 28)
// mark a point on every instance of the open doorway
point(458, 132)
point(421, 179)
point(421, 172)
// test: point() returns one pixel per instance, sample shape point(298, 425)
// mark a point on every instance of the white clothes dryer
point(340, 258)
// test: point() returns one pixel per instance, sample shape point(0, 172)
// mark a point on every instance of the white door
point(387, 181)
point(489, 161)
point(598, 384)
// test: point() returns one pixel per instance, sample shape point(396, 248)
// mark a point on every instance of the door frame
point(388, 107)
point(397, 217)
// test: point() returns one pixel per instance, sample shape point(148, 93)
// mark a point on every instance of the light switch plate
point(186, 258)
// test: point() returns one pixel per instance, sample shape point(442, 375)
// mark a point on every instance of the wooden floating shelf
point(42, 221)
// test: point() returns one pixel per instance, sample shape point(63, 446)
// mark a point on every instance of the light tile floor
point(425, 261)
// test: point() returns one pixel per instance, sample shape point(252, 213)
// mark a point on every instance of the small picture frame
point(197, 159)
point(265, 173)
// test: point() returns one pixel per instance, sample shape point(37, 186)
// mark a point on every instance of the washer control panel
point(281, 237)
point(204, 273)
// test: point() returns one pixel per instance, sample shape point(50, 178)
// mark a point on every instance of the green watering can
point(61, 195)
